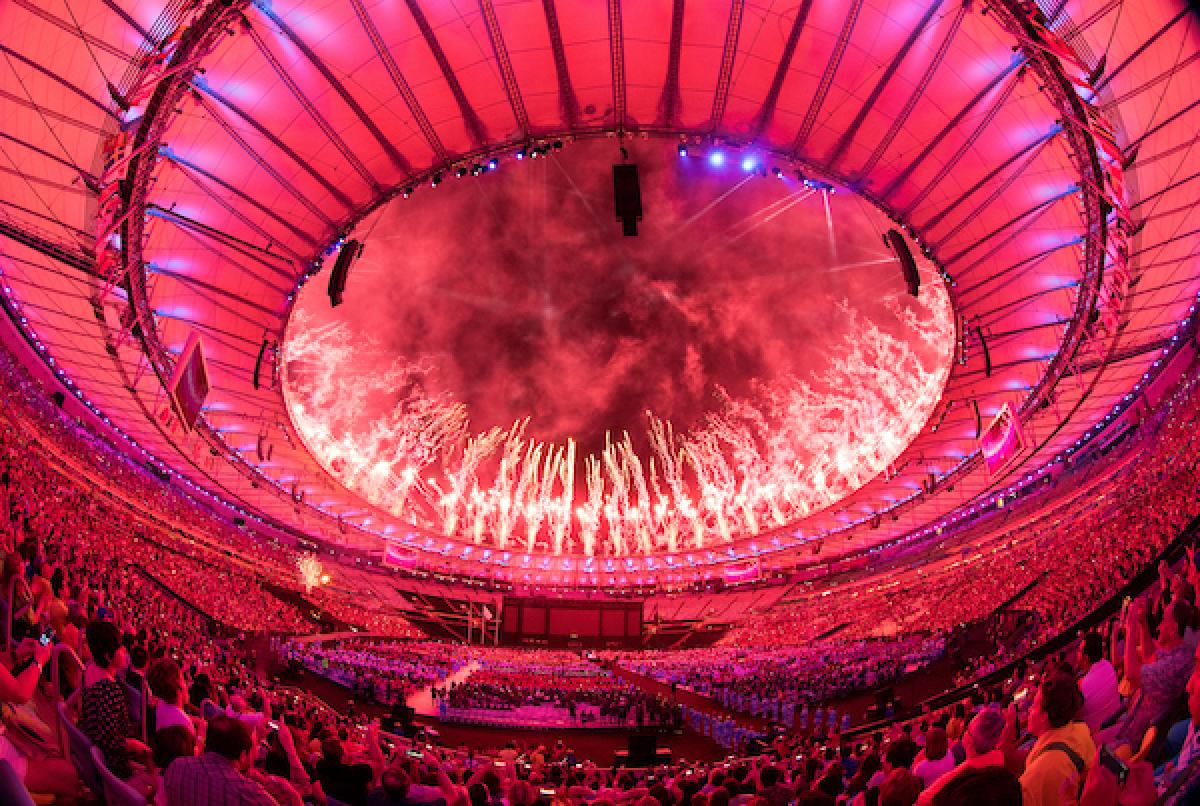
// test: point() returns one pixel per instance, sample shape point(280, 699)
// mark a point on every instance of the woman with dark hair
point(20, 610)
point(165, 680)
point(104, 708)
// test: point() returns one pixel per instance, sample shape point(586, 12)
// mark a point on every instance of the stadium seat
point(116, 792)
point(137, 707)
point(12, 790)
point(79, 749)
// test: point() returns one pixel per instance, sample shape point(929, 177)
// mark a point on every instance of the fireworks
point(312, 574)
point(793, 447)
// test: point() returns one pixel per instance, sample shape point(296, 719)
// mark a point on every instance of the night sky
point(518, 292)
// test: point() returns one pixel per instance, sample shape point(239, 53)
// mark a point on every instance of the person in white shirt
point(982, 743)
point(165, 681)
point(935, 760)
point(1101, 700)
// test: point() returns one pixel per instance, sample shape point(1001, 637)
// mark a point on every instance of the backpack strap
point(1069, 752)
point(1075, 759)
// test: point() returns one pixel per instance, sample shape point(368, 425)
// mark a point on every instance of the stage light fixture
point(682, 149)
point(749, 164)
point(436, 180)
point(520, 154)
point(493, 164)
point(716, 159)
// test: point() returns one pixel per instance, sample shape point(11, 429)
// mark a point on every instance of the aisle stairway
point(422, 702)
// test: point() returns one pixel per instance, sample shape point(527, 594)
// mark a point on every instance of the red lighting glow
point(508, 369)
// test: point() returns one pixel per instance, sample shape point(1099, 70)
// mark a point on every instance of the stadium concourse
point(476, 403)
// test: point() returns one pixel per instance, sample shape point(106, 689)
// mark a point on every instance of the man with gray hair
point(982, 744)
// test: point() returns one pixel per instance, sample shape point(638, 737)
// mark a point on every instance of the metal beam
point(996, 193)
point(1031, 215)
point(77, 190)
point(914, 97)
point(767, 111)
point(401, 164)
point(389, 62)
point(668, 105)
point(314, 114)
point(131, 22)
point(725, 74)
point(1025, 262)
point(1013, 306)
point(616, 47)
point(1156, 128)
point(1126, 353)
point(567, 101)
point(511, 88)
point(190, 168)
point(41, 152)
point(68, 254)
point(827, 76)
point(236, 212)
point(49, 219)
point(966, 145)
point(56, 78)
point(889, 73)
point(1186, 11)
point(202, 91)
point(471, 119)
point(89, 40)
point(953, 123)
point(53, 115)
point(944, 209)
point(215, 289)
point(252, 251)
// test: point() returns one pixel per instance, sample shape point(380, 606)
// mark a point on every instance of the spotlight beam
point(706, 208)
point(776, 208)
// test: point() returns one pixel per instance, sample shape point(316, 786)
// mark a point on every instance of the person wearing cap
point(982, 744)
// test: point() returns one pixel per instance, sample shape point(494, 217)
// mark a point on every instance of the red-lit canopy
point(258, 133)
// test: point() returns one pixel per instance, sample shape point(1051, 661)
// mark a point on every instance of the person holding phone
point(49, 776)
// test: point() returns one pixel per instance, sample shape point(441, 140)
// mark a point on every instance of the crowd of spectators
point(585, 694)
point(783, 684)
point(384, 672)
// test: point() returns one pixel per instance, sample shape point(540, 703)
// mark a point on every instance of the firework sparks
point(751, 465)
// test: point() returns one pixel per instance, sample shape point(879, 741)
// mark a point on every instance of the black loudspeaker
point(643, 750)
point(239, 522)
point(341, 268)
point(627, 197)
point(895, 241)
point(987, 355)
point(262, 353)
point(59, 399)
